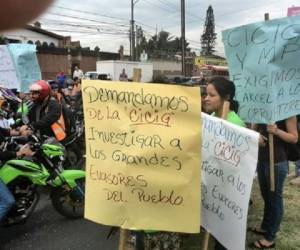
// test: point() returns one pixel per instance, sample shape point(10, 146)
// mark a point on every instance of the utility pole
point(183, 70)
point(132, 44)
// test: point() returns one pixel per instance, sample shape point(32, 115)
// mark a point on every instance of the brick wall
point(55, 60)
point(51, 64)
point(88, 63)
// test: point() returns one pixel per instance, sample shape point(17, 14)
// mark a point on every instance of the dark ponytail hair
point(225, 89)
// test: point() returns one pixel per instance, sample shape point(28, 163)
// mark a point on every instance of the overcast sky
point(105, 23)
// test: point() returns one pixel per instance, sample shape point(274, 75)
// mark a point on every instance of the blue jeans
point(297, 168)
point(6, 200)
point(273, 201)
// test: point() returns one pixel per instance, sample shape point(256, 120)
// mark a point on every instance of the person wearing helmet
point(70, 85)
point(55, 90)
point(45, 110)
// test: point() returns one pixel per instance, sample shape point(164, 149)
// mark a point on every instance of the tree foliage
point(161, 45)
point(208, 38)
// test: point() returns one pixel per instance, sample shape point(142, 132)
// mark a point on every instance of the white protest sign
point(8, 74)
point(229, 158)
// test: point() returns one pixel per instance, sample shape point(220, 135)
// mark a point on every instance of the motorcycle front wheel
point(69, 203)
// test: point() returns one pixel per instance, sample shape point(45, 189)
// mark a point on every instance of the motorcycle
point(75, 144)
point(44, 168)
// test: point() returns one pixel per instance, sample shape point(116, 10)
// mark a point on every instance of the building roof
point(44, 32)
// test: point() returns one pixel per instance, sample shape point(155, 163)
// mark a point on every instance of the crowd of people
point(46, 102)
point(50, 108)
point(54, 102)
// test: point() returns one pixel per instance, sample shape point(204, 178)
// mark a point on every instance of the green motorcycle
point(45, 168)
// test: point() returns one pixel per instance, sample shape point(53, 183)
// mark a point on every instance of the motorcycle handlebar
point(20, 139)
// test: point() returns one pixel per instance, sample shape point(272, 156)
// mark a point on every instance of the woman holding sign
point(284, 132)
point(219, 101)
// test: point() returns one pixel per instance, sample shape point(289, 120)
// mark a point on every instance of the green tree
point(141, 42)
point(163, 46)
point(208, 38)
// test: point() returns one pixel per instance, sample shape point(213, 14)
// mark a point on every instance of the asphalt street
point(47, 229)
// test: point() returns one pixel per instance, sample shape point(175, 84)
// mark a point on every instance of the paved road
point(48, 230)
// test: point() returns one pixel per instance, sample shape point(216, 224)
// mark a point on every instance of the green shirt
point(232, 117)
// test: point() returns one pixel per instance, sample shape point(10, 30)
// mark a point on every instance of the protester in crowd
point(5, 107)
point(54, 88)
point(76, 86)
point(296, 175)
point(10, 119)
point(6, 198)
point(123, 76)
point(61, 78)
point(73, 105)
point(293, 152)
point(22, 13)
point(3, 121)
point(284, 132)
point(64, 101)
point(78, 73)
point(219, 90)
point(45, 111)
point(76, 93)
point(57, 93)
point(70, 86)
point(220, 93)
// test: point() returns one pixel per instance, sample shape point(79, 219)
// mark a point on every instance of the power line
point(89, 12)
point(81, 23)
point(157, 6)
point(242, 10)
point(88, 32)
point(72, 16)
point(85, 28)
point(97, 21)
point(170, 8)
point(93, 20)
point(187, 12)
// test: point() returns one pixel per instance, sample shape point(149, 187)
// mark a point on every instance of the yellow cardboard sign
point(143, 155)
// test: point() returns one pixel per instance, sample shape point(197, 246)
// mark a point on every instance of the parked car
point(195, 80)
point(94, 75)
point(177, 79)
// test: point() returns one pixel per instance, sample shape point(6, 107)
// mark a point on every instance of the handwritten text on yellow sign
point(143, 155)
